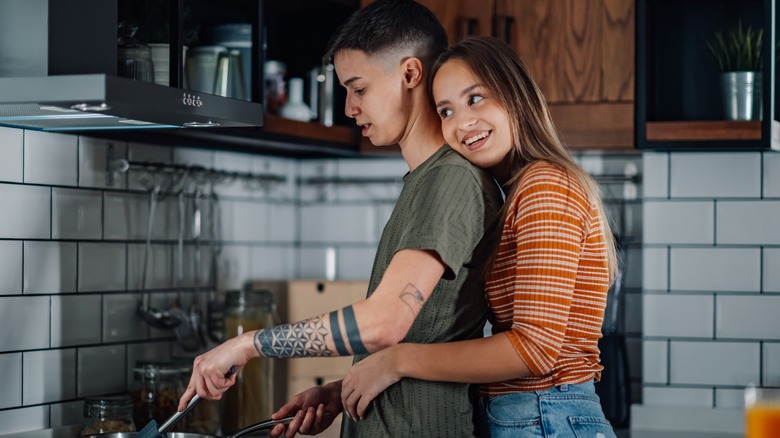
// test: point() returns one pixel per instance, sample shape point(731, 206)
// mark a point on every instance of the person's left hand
point(211, 370)
point(367, 379)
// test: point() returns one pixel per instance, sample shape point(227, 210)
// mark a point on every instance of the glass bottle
point(111, 413)
point(250, 400)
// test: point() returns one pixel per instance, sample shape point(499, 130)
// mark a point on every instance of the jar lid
point(153, 369)
point(249, 298)
point(108, 405)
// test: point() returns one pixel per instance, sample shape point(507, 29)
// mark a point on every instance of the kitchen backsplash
point(72, 247)
point(711, 286)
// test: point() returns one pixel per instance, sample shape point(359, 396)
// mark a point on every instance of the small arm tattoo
point(413, 298)
point(305, 338)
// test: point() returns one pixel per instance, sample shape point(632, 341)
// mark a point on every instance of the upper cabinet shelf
point(679, 97)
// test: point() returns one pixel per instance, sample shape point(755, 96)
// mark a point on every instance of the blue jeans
point(564, 411)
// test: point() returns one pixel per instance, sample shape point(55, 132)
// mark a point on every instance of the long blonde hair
point(533, 132)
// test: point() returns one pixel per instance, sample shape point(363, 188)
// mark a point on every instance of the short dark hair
point(388, 24)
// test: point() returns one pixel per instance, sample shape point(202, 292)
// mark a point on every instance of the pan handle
point(265, 425)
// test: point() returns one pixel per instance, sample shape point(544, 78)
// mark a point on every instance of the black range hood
point(98, 102)
point(58, 64)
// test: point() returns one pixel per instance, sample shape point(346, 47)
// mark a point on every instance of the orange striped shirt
point(548, 286)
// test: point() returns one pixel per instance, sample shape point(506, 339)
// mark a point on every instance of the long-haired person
point(547, 285)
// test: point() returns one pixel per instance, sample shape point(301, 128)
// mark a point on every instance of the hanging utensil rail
point(194, 171)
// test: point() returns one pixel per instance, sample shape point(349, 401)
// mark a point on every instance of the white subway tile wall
point(668, 315)
point(713, 247)
point(72, 251)
point(27, 212)
point(49, 375)
point(715, 175)
point(771, 175)
point(72, 242)
point(11, 267)
point(50, 158)
point(11, 154)
point(76, 214)
point(11, 380)
point(771, 365)
point(667, 396)
point(748, 222)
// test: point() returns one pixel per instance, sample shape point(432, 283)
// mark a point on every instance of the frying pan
point(151, 430)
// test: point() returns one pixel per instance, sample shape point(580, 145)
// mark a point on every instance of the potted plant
point(739, 57)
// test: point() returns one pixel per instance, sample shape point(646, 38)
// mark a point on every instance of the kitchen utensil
point(195, 312)
point(152, 431)
point(229, 81)
point(237, 36)
point(152, 316)
point(264, 425)
point(215, 313)
point(202, 67)
point(184, 332)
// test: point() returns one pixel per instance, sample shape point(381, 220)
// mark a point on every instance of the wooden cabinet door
point(460, 18)
point(581, 53)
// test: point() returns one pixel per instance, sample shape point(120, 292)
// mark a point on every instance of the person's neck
point(423, 137)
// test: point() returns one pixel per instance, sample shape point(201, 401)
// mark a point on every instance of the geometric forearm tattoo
point(305, 338)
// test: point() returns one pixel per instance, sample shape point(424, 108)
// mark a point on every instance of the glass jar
point(157, 388)
point(205, 417)
point(112, 413)
point(250, 400)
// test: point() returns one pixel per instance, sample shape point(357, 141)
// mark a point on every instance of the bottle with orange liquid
point(762, 412)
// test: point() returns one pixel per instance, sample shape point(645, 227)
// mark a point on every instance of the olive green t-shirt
point(446, 205)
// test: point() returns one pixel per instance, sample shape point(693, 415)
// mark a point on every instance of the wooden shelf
point(705, 130)
point(309, 130)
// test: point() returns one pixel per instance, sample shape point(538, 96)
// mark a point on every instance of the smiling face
point(473, 120)
point(374, 95)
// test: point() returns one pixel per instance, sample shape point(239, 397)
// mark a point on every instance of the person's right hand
point(211, 375)
point(314, 409)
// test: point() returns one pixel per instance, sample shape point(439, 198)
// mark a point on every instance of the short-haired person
point(426, 283)
point(547, 287)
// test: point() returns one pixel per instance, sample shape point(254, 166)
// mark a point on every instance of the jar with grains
point(205, 417)
point(111, 413)
point(157, 387)
point(250, 400)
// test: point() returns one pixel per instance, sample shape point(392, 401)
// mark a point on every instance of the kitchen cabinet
point(678, 101)
point(294, 32)
point(580, 52)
